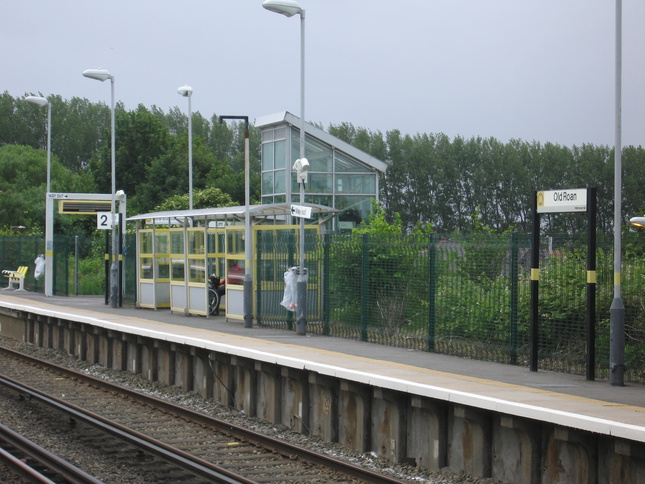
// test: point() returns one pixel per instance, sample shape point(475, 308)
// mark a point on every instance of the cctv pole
point(301, 328)
point(114, 268)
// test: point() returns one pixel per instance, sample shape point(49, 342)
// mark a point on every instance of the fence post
point(76, 256)
point(326, 282)
point(364, 287)
point(432, 290)
point(258, 276)
point(514, 276)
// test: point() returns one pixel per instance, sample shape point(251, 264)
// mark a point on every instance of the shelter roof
point(222, 213)
point(331, 140)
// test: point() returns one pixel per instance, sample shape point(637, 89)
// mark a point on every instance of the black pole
point(591, 284)
point(535, 280)
point(107, 267)
point(120, 252)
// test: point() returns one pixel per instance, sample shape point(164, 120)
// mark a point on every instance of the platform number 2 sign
point(104, 220)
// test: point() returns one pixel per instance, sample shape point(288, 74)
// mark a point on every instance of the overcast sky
point(539, 70)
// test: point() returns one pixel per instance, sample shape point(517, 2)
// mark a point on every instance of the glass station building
point(340, 176)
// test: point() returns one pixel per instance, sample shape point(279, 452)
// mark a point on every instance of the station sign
point(300, 211)
point(554, 201)
point(104, 220)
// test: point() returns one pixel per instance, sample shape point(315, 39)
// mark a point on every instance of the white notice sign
point(104, 220)
point(552, 201)
point(300, 211)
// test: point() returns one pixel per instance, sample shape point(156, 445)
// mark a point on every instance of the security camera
point(301, 166)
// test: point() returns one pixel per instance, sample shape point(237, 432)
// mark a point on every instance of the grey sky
point(529, 69)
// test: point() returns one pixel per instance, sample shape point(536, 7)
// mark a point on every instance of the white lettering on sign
point(552, 201)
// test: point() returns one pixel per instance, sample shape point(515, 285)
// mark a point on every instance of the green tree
point(206, 198)
point(23, 180)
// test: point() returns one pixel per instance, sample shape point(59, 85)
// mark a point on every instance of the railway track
point(184, 444)
point(24, 461)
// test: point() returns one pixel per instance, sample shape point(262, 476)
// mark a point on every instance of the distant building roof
point(287, 117)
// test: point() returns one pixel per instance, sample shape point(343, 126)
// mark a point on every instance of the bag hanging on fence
point(40, 266)
point(289, 299)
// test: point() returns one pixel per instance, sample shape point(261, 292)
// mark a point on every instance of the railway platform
point(482, 401)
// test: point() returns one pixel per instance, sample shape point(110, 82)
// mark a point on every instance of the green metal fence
point(466, 296)
point(21, 250)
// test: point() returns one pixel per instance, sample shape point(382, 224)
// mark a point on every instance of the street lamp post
point(49, 224)
point(103, 75)
point(248, 236)
point(187, 91)
point(290, 8)
point(617, 309)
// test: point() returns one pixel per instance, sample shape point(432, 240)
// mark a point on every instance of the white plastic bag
point(40, 266)
point(289, 299)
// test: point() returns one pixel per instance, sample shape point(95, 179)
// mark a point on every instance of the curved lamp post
point(617, 309)
point(49, 224)
point(187, 91)
point(290, 8)
point(103, 75)
point(41, 101)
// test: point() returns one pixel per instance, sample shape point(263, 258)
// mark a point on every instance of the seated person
point(235, 274)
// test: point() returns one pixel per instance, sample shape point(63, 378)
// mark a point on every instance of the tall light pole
point(248, 236)
point(103, 75)
point(187, 91)
point(41, 101)
point(617, 310)
point(290, 8)
point(49, 224)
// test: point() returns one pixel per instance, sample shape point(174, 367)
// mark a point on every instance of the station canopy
point(259, 214)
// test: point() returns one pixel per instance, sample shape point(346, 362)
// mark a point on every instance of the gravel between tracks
point(210, 407)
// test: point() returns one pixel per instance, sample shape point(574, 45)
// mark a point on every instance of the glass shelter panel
point(267, 156)
point(177, 255)
point(344, 163)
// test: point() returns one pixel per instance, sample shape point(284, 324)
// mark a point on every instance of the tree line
point(449, 185)
point(456, 185)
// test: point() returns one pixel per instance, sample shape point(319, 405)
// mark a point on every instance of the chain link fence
point(467, 296)
point(76, 270)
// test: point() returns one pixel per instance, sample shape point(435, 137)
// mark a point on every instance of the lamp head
point(185, 91)
point(288, 8)
point(98, 74)
point(41, 101)
point(637, 221)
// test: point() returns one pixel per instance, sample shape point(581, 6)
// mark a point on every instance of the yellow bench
point(16, 277)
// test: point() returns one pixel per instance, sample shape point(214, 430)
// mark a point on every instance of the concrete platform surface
point(559, 398)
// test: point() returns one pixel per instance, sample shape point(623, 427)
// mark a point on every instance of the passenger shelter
point(177, 251)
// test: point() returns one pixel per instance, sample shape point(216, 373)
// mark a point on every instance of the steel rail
point(181, 459)
point(43, 457)
point(285, 449)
